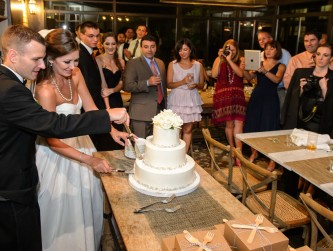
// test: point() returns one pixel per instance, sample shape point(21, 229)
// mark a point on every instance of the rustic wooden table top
point(312, 166)
point(201, 209)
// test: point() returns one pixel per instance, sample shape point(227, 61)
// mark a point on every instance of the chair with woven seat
point(280, 208)
point(314, 209)
point(229, 176)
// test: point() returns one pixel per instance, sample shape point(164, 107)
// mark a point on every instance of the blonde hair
point(232, 42)
point(17, 36)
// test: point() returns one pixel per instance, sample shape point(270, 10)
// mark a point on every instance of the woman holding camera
point(263, 110)
point(229, 104)
point(309, 99)
point(309, 105)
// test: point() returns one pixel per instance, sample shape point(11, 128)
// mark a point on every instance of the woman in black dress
point(263, 110)
point(111, 68)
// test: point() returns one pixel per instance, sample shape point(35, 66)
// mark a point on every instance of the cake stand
point(180, 192)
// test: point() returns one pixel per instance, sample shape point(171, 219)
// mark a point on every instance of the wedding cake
point(165, 168)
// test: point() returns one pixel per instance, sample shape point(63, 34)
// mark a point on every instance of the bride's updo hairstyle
point(59, 42)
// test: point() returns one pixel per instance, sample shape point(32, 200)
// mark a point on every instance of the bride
point(70, 193)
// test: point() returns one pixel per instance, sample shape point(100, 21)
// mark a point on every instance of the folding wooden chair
point(280, 208)
point(314, 209)
point(229, 176)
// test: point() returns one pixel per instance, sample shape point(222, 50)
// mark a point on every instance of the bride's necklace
point(231, 75)
point(70, 89)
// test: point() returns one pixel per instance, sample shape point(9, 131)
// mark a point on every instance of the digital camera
point(226, 51)
point(312, 82)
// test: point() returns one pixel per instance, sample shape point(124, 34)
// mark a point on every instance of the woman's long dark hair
point(116, 56)
point(59, 42)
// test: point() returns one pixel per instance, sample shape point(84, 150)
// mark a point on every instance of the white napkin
point(299, 137)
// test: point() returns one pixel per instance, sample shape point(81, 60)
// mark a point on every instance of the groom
point(21, 119)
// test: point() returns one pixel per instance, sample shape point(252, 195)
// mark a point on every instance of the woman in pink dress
point(185, 75)
point(229, 104)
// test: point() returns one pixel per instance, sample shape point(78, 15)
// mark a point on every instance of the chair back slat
point(211, 145)
point(314, 207)
point(268, 178)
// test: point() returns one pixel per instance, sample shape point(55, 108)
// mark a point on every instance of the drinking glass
point(312, 141)
point(289, 142)
point(330, 168)
point(190, 77)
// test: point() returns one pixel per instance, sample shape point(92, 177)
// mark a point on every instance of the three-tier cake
point(165, 168)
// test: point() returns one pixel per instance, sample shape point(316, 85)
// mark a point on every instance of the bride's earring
point(51, 64)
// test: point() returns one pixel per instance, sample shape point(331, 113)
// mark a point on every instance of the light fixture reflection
point(32, 7)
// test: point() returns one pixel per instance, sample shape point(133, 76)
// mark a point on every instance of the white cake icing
point(165, 137)
point(165, 167)
point(167, 180)
point(164, 157)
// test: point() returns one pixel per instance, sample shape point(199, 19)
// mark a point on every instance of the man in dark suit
point(145, 78)
point(21, 119)
point(89, 35)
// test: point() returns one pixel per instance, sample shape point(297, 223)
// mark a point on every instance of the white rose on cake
point(167, 119)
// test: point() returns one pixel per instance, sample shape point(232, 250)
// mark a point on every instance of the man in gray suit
point(145, 78)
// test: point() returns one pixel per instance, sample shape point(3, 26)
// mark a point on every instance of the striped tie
point(159, 88)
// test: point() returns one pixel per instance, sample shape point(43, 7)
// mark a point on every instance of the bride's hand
point(99, 165)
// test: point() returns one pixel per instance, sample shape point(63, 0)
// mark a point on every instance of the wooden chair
point(281, 209)
point(229, 176)
point(314, 209)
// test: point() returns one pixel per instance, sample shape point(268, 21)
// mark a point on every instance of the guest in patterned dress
point(229, 101)
point(185, 75)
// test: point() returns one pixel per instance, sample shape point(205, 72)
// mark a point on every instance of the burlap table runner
point(199, 211)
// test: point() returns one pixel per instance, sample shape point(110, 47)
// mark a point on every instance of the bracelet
point(80, 157)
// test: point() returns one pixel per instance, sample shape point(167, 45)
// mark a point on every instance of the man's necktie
point(135, 47)
point(94, 58)
point(159, 88)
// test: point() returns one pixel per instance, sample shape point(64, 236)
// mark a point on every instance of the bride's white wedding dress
point(70, 195)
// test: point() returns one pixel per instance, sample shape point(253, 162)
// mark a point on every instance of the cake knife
point(132, 141)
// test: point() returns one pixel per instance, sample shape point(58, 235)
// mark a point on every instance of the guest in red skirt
point(229, 104)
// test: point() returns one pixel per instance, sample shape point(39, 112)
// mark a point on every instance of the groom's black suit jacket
point(21, 119)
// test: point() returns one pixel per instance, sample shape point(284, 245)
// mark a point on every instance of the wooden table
point(312, 166)
point(135, 229)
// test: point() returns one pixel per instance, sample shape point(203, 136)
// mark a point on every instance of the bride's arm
point(47, 99)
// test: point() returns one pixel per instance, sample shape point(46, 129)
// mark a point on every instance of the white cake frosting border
point(142, 189)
